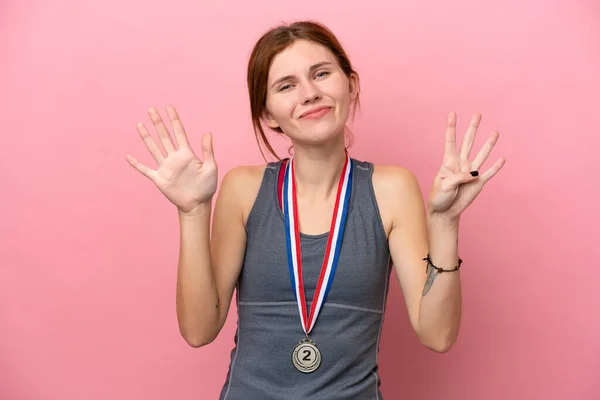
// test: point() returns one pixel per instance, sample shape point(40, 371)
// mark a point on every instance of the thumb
point(208, 155)
point(455, 180)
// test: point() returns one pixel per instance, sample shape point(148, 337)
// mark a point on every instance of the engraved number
point(307, 355)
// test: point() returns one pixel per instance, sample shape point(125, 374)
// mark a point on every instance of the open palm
point(181, 176)
point(458, 181)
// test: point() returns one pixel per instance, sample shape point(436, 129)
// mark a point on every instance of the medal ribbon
point(332, 251)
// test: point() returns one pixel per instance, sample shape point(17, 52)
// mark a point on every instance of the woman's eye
point(322, 73)
point(284, 87)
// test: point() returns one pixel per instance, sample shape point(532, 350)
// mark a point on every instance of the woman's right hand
point(184, 179)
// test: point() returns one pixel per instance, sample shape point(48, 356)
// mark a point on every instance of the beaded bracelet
point(429, 263)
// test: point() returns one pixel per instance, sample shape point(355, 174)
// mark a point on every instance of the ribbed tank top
point(348, 328)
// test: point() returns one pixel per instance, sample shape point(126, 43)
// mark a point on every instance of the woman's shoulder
point(243, 172)
point(389, 180)
point(396, 188)
point(243, 179)
point(241, 185)
point(247, 177)
point(393, 174)
point(386, 173)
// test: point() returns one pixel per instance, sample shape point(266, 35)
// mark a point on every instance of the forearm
point(197, 297)
point(441, 300)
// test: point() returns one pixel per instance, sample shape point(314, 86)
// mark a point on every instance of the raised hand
point(458, 182)
point(183, 178)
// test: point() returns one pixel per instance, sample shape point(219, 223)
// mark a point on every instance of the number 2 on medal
point(307, 355)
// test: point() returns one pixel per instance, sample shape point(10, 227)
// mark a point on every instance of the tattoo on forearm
point(432, 273)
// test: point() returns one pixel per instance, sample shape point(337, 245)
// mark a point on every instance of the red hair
point(268, 46)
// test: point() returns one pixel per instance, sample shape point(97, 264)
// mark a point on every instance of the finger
point(455, 180)
point(180, 136)
point(208, 155)
point(144, 170)
point(150, 143)
point(469, 138)
point(485, 151)
point(493, 170)
point(450, 147)
point(162, 130)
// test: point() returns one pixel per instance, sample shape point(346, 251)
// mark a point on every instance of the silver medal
point(306, 356)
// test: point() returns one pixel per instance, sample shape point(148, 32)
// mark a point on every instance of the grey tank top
point(348, 327)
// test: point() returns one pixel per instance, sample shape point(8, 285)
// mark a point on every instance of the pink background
point(89, 247)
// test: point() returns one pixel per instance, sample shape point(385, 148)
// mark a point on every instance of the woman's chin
point(321, 137)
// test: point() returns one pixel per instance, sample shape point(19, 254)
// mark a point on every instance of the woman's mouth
point(315, 113)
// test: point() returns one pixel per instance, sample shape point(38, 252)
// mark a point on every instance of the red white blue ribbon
point(332, 251)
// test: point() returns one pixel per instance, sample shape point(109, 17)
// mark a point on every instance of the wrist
point(443, 240)
point(441, 222)
point(199, 211)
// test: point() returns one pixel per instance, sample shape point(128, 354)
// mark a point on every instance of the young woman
point(309, 241)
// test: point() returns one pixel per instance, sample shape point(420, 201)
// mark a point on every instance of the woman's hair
point(268, 46)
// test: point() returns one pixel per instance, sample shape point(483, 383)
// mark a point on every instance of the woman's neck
point(318, 169)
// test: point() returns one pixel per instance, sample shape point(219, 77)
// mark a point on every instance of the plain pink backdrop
point(88, 246)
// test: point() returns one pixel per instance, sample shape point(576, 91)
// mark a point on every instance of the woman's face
point(308, 95)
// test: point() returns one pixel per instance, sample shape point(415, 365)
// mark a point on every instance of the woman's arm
point(433, 300)
point(209, 267)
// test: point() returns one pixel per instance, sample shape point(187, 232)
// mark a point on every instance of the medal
point(306, 356)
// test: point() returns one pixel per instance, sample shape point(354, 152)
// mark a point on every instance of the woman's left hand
point(458, 182)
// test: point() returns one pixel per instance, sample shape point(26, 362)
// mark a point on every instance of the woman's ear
point(354, 86)
point(269, 120)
